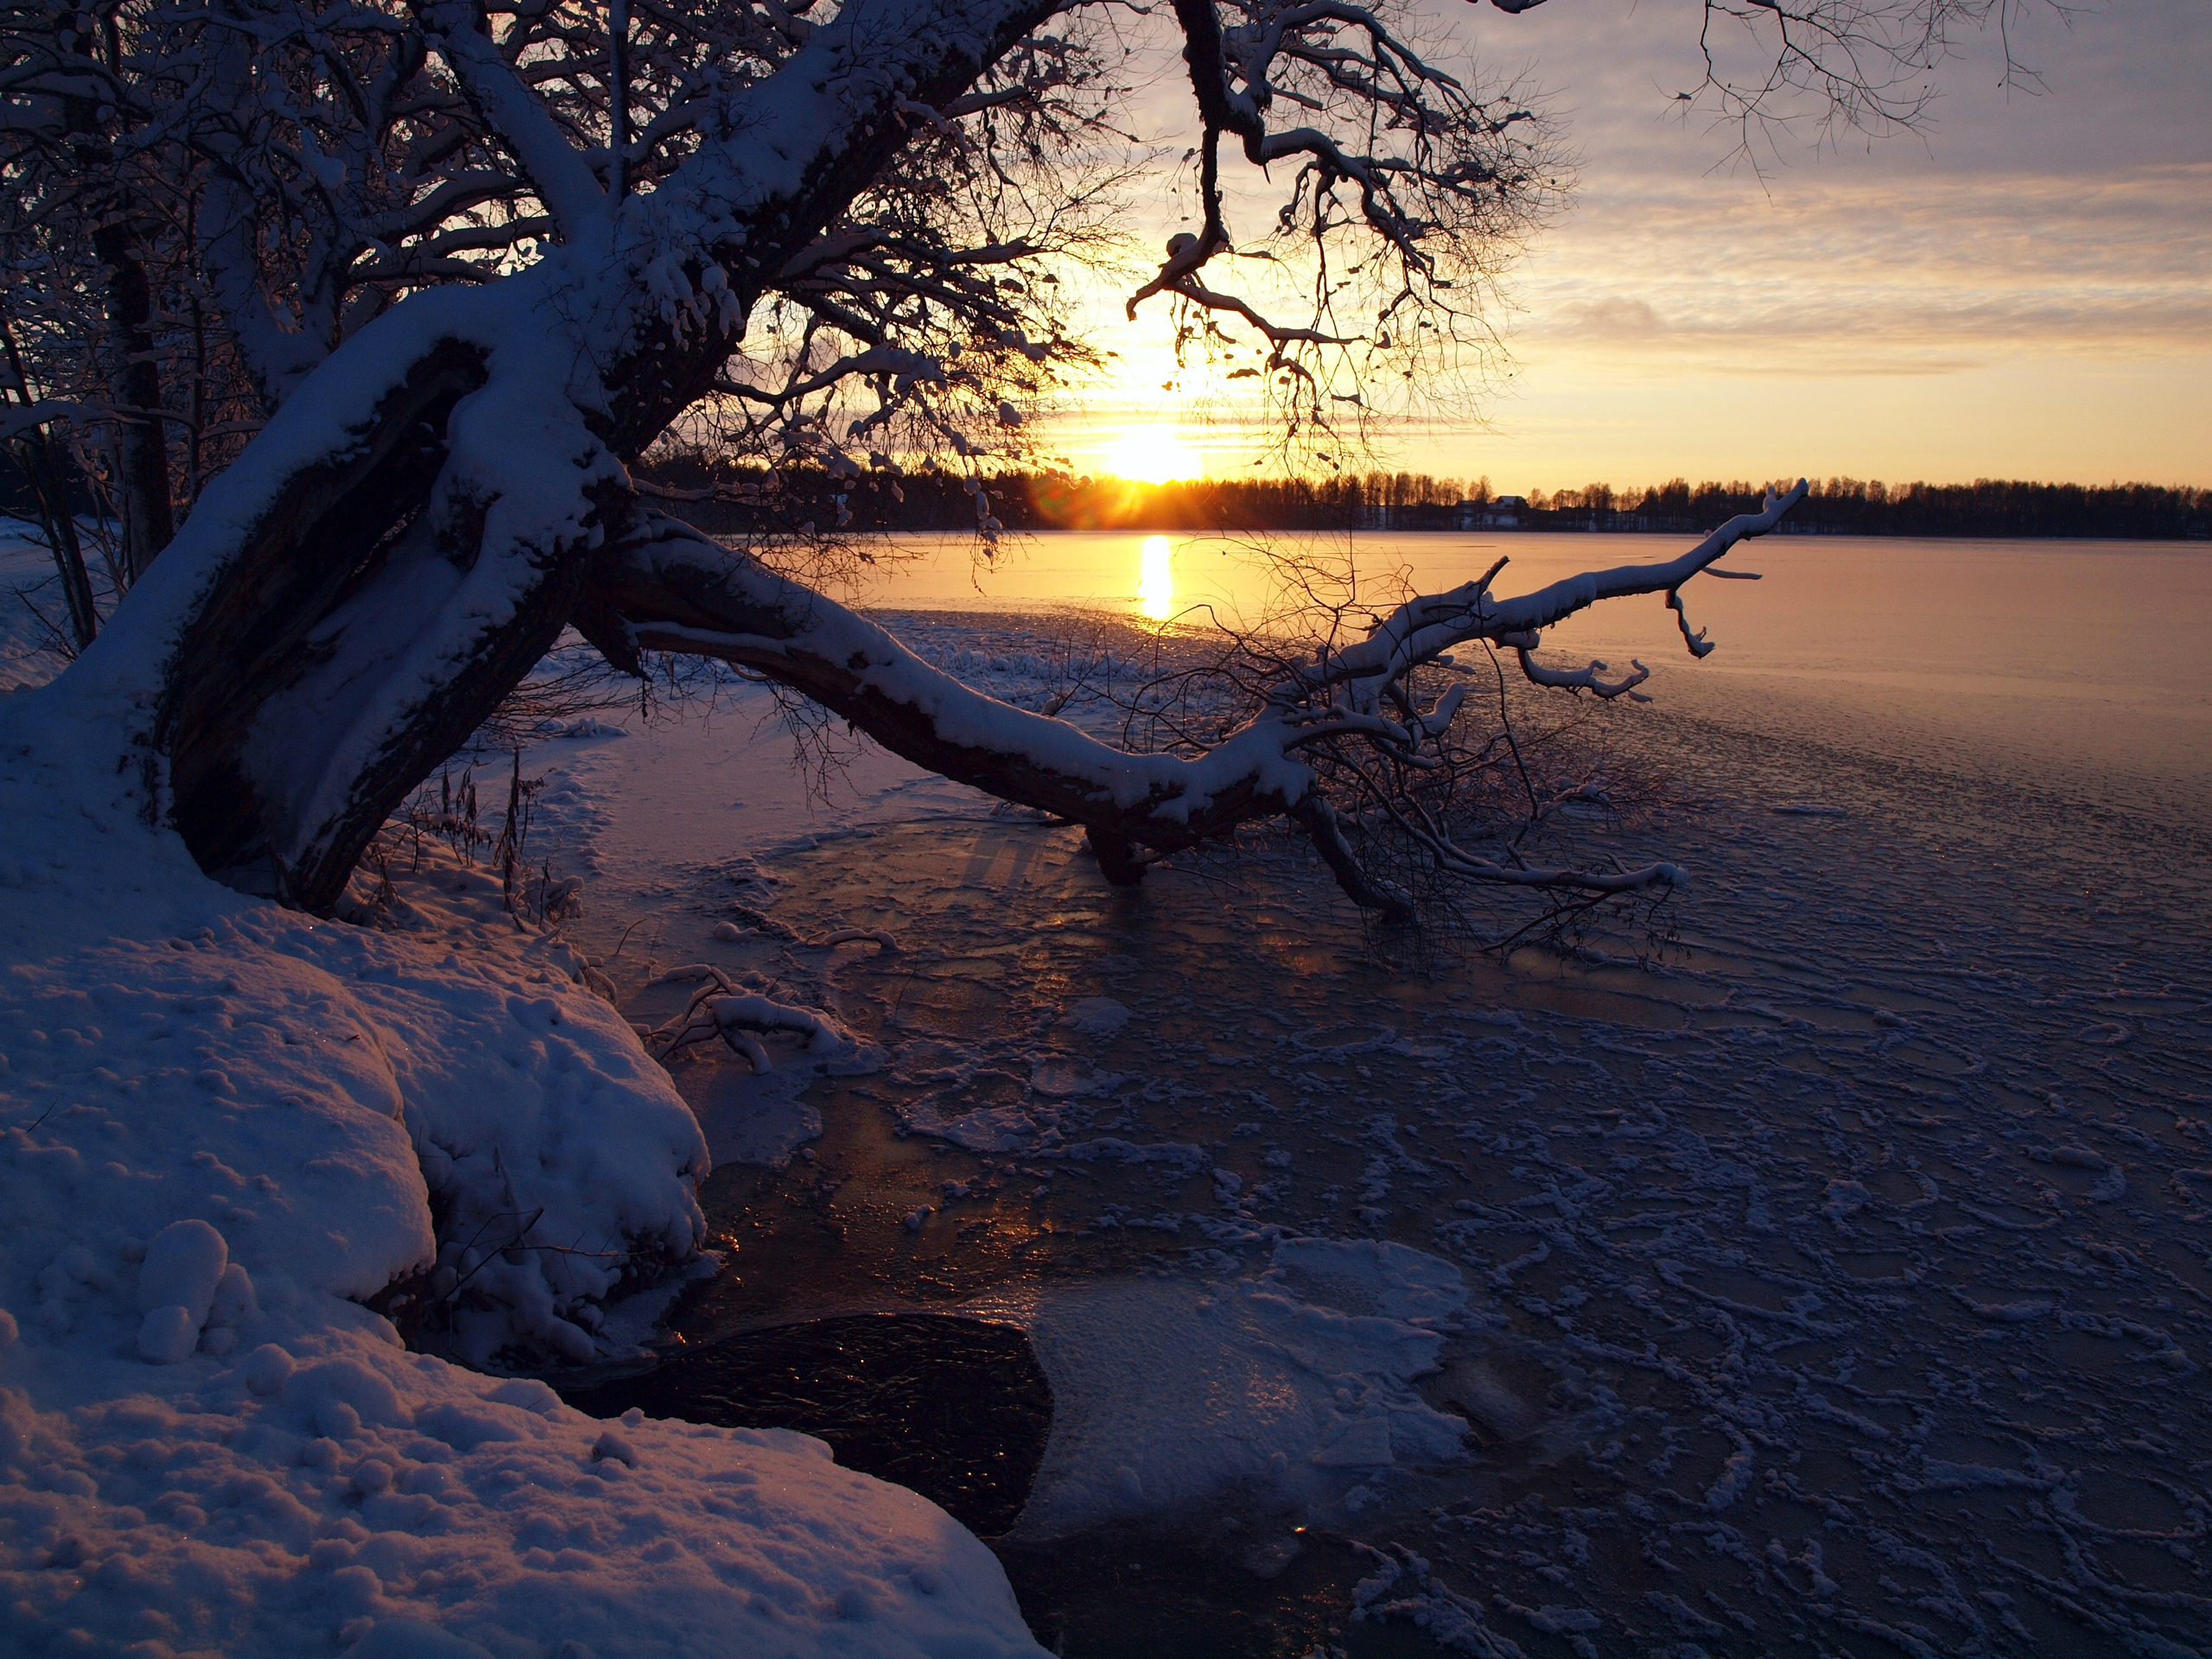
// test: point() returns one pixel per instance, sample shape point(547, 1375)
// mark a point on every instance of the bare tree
point(418, 282)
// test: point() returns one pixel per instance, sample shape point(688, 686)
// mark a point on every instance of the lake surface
point(2075, 665)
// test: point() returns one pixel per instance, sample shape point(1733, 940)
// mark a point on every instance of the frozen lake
point(1836, 1280)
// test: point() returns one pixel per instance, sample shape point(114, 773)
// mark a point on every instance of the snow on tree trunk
point(410, 532)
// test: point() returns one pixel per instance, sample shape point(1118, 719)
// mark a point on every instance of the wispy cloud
point(1855, 275)
point(2026, 288)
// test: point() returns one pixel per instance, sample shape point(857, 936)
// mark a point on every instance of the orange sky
point(2021, 292)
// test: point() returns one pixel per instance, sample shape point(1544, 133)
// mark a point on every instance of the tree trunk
point(142, 444)
point(49, 484)
point(365, 608)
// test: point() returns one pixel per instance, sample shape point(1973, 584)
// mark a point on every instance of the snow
point(227, 1127)
point(177, 1280)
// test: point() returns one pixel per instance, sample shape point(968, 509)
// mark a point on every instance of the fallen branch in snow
point(722, 1009)
point(670, 588)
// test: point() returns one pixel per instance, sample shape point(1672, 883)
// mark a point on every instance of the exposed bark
point(1117, 860)
point(1318, 819)
point(253, 634)
point(140, 446)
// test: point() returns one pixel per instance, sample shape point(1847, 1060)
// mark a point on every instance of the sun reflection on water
point(1156, 579)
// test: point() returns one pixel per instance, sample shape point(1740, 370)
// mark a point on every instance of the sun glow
point(1153, 455)
point(1156, 578)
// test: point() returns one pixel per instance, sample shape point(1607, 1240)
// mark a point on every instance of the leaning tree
point(362, 314)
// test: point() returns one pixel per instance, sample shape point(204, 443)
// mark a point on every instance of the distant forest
point(722, 498)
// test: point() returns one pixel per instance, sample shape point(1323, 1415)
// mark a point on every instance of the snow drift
point(228, 1127)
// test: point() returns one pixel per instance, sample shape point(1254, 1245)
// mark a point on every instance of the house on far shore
point(1499, 512)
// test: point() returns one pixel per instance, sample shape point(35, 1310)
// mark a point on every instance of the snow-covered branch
point(1426, 628)
point(670, 588)
point(555, 168)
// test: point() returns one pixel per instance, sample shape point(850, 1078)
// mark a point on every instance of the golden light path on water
point(1156, 579)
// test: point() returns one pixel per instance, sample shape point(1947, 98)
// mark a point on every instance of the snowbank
point(223, 1128)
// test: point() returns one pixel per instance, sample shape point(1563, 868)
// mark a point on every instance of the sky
point(2021, 288)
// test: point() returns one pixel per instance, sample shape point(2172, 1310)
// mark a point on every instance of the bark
point(134, 377)
point(1117, 860)
point(1318, 819)
point(252, 636)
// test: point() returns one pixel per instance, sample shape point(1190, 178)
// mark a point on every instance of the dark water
point(956, 1409)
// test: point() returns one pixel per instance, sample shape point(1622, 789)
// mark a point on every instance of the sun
point(1153, 455)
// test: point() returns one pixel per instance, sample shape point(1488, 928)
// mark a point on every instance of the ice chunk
point(1363, 1443)
point(1067, 1080)
point(1165, 1390)
point(986, 1129)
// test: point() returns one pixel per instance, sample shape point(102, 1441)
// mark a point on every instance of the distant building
point(1499, 512)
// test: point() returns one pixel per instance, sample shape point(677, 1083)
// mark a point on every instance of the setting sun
point(1153, 455)
point(1156, 578)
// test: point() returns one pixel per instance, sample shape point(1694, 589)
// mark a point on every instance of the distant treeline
point(720, 496)
point(736, 498)
point(1851, 506)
